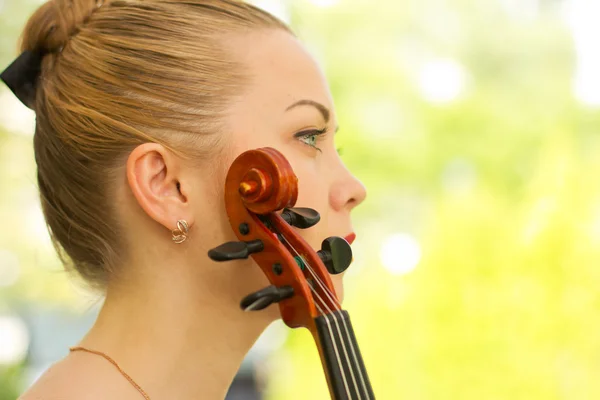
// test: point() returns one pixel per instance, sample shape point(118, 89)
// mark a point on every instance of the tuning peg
point(336, 254)
point(301, 217)
point(265, 297)
point(235, 250)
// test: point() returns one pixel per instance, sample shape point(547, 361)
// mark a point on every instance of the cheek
point(312, 193)
point(312, 185)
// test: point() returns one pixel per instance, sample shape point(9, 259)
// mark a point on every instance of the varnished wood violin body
point(261, 190)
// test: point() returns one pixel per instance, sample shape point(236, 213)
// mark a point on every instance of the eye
point(310, 137)
point(310, 140)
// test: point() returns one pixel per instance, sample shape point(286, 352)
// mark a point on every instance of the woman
point(141, 107)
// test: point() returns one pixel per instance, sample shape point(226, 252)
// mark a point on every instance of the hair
point(115, 75)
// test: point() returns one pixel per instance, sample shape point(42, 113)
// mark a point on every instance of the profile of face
point(288, 106)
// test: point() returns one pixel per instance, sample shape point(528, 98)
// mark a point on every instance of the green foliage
point(10, 378)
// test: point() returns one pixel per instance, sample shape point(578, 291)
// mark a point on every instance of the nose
point(346, 191)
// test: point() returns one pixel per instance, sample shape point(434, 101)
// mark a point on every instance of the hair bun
point(54, 23)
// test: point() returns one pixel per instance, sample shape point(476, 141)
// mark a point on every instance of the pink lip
point(350, 238)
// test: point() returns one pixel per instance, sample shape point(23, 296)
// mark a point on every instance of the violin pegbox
point(261, 190)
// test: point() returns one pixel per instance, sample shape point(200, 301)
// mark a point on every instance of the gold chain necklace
point(113, 362)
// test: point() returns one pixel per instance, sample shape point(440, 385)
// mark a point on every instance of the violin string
point(335, 300)
point(337, 326)
point(335, 348)
point(318, 280)
point(351, 345)
point(322, 285)
point(330, 295)
point(329, 311)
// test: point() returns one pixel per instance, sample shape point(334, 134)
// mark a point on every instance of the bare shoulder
point(81, 378)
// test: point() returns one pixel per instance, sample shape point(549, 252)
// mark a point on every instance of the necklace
point(113, 362)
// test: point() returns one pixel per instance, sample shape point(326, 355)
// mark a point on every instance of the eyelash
point(316, 133)
point(311, 133)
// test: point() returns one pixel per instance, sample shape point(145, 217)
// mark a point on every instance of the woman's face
point(288, 106)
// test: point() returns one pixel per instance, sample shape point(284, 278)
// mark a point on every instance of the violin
point(261, 190)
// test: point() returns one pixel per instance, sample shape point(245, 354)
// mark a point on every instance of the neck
point(176, 343)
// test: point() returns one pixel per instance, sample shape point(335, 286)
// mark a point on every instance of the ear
point(154, 175)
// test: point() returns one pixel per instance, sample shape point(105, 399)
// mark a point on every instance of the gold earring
point(181, 232)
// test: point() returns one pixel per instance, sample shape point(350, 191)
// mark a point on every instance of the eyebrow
point(322, 109)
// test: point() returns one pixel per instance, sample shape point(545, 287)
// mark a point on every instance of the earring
point(181, 232)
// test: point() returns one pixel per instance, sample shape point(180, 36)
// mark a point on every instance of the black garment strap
point(22, 75)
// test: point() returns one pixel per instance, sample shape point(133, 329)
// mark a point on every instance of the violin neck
point(341, 358)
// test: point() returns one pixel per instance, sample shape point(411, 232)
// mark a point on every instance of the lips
point(350, 238)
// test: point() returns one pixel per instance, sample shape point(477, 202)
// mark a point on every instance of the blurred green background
point(475, 126)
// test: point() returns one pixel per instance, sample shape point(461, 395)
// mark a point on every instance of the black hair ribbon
point(22, 75)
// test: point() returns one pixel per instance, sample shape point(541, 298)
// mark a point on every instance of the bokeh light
point(14, 339)
point(582, 17)
point(400, 254)
point(442, 81)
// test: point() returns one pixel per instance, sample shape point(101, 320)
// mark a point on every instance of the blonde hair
point(117, 74)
